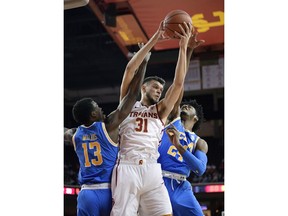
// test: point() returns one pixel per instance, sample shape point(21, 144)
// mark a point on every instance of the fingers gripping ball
point(173, 19)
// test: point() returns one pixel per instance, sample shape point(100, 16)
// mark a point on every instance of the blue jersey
point(180, 192)
point(96, 152)
point(170, 158)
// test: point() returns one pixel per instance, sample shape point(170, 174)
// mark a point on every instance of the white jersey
point(140, 133)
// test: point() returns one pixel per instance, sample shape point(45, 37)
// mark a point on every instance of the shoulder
point(202, 145)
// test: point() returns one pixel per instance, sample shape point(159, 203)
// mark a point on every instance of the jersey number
point(141, 125)
point(175, 153)
point(97, 154)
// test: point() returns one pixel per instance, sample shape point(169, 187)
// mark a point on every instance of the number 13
point(97, 153)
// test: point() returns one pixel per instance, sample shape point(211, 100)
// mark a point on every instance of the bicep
point(167, 103)
point(202, 146)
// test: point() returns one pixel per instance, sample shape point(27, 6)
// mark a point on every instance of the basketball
point(173, 19)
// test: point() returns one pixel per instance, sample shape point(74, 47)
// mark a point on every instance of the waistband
point(172, 175)
point(96, 186)
point(137, 161)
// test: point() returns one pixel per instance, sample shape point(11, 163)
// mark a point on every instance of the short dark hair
point(199, 112)
point(156, 78)
point(82, 110)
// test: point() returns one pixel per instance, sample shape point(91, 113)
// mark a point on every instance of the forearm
point(176, 109)
point(134, 64)
point(133, 90)
point(137, 59)
point(188, 56)
point(180, 71)
point(197, 162)
point(137, 80)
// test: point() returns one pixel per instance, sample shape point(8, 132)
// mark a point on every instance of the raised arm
point(136, 60)
point(166, 105)
point(125, 106)
point(192, 44)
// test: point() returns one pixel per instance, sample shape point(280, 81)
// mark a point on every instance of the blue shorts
point(182, 198)
point(94, 202)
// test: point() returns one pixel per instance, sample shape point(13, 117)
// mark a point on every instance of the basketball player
point(95, 143)
point(181, 151)
point(137, 178)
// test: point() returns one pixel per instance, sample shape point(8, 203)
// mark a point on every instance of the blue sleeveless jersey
point(170, 158)
point(96, 152)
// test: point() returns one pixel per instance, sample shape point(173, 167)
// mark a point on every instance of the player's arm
point(192, 44)
point(115, 118)
point(176, 109)
point(197, 162)
point(137, 59)
point(175, 113)
point(166, 105)
point(68, 134)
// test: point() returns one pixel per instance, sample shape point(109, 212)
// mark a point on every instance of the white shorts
point(138, 187)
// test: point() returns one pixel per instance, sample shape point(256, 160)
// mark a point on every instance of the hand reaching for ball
point(193, 42)
point(185, 34)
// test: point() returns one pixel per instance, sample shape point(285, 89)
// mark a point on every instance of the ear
point(195, 118)
point(143, 88)
point(93, 113)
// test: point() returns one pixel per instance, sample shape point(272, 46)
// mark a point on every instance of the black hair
point(156, 78)
point(82, 110)
point(199, 112)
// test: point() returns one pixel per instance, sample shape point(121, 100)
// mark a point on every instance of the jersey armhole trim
point(174, 120)
point(73, 140)
point(107, 135)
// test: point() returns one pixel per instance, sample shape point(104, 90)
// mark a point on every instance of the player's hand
point(161, 32)
point(193, 41)
point(185, 34)
point(173, 135)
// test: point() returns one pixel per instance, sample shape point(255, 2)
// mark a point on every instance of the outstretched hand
point(186, 32)
point(161, 31)
point(193, 42)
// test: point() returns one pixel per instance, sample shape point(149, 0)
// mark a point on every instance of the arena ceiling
point(101, 35)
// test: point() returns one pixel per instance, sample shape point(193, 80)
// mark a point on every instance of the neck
point(187, 125)
point(145, 102)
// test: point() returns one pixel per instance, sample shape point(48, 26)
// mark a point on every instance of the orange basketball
point(173, 19)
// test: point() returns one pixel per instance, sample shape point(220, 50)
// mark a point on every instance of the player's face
point(188, 111)
point(99, 115)
point(153, 91)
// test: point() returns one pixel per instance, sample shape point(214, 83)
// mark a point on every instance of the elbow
point(200, 170)
point(178, 84)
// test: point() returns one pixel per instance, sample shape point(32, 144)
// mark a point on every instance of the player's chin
point(183, 114)
point(156, 100)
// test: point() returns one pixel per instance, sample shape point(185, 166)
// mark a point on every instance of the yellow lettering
point(203, 25)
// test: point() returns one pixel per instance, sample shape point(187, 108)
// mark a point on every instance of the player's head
point(152, 89)
point(192, 111)
point(86, 111)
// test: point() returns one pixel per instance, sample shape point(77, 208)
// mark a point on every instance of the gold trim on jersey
point(107, 136)
point(73, 140)
point(173, 121)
